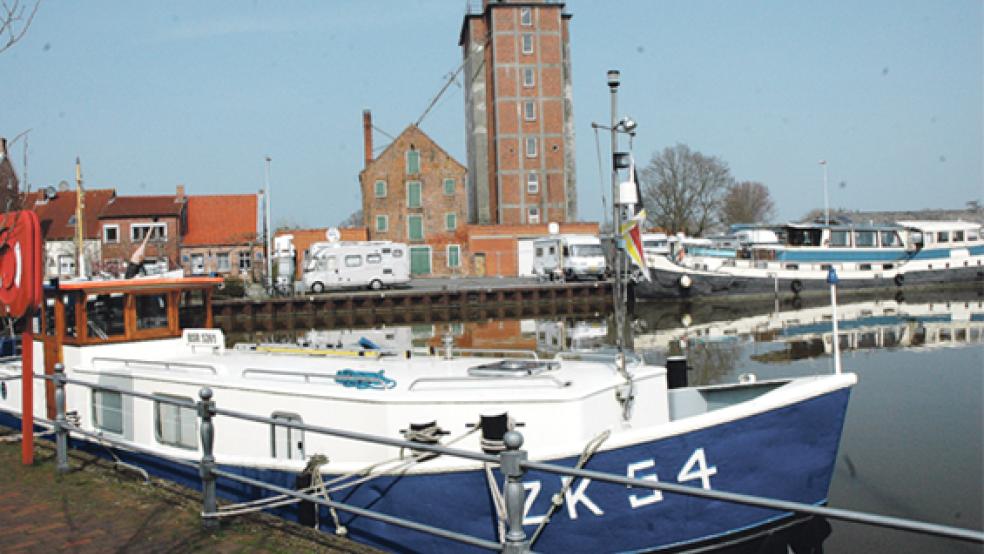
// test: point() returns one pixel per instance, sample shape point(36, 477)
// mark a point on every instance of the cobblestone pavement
point(97, 509)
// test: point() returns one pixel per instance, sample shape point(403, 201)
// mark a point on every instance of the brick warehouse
point(414, 192)
point(519, 113)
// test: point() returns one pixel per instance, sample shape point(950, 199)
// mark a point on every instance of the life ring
point(796, 286)
point(899, 279)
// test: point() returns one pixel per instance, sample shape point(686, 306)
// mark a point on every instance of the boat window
point(888, 266)
point(539, 251)
point(353, 260)
point(958, 236)
point(49, 317)
point(864, 267)
point(69, 300)
point(104, 314)
point(943, 236)
point(374, 259)
point(840, 238)
point(890, 238)
point(973, 235)
point(397, 253)
point(175, 425)
point(151, 311)
point(864, 239)
point(107, 411)
point(192, 309)
point(792, 266)
point(286, 442)
point(804, 237)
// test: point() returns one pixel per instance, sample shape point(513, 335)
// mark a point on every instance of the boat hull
point(665, 283)
point(786, 453)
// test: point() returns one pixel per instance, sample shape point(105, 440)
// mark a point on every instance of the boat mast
point(79, 222)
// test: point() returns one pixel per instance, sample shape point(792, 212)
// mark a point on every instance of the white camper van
point(568, 257)
point(356, 264)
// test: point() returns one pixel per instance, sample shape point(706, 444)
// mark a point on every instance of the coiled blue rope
point(364, 379)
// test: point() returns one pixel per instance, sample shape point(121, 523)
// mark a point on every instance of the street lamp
point(826, 198)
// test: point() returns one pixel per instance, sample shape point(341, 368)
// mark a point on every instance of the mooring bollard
point(61, 422)
point(206, 409)
point(515, 494)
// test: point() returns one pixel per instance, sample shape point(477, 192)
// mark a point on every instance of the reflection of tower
point(519, 113)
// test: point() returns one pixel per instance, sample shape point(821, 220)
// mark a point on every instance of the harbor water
point(912, 442)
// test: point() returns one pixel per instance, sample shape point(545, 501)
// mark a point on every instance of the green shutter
point(415, 227)
point(449, 187)
point(413, 194)
point(413, 162)
point(454, 255)
point(380, 189)
point(381, 223)
point(451, 222)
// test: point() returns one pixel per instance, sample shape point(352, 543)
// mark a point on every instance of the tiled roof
point(143, 206)
point(221, 219)
point(55, 213)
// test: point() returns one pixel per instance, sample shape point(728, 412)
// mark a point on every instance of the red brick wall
point(125, 248)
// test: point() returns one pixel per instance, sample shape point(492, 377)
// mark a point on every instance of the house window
point(528, 80)
point(532, 182)
point(382, 223)
point(176, 425)
point(527, 43)
point(530, 147)
point(529, 110)
point(454, 255)
point(111, 233)
point(380, 189)
point(107, 411)
point(222, 262)
point(66, 264)
point(157, 231)
point(245, 261)
point(533, 214)
point(450, 221)
point(413, 194)
point(286, 442)
point(525, 16)
point(415, 227)
point(449, 187)
point(413, 162)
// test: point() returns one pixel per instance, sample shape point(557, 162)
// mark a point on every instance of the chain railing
point(512, 461)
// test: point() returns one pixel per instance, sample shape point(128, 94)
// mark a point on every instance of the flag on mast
point(631, 228)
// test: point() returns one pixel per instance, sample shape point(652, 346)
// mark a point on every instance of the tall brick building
point(519, 113)
point(414, 192)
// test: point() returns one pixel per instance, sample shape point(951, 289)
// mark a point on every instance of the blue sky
point(152, 95)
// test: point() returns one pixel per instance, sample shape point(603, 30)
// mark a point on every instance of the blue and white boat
point(797, 257)
point(776, 438)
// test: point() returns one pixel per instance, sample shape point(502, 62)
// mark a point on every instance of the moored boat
point(771, 438)
point(906, 254)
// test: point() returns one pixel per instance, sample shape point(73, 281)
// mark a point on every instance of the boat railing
point(512, 461)
point(552, 380)
point(501, 352)
point(131, 363)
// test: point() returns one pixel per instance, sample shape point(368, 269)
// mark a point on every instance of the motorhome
point(355, 264)
point(568, 257)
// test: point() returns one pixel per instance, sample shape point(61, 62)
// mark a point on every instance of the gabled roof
point(221, 219)
point(411, 129)
point(144, 206)
point(57, 214)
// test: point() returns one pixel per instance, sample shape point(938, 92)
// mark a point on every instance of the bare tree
point(747, 202)
point(15, 19)
point(682, 189)
point(353, 220)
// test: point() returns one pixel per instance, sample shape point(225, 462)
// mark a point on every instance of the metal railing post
point(510, 461)
point(61, 422)
point(206, 410)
